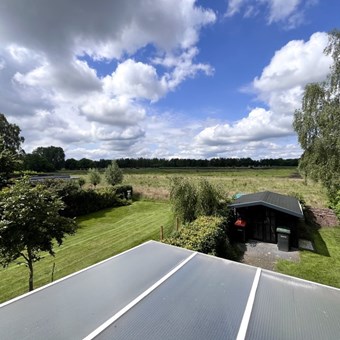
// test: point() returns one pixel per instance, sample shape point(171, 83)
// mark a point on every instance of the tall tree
point(10, 147)
point(30, 223)
point(113, 174)
point(53, 154)
point(317, 124)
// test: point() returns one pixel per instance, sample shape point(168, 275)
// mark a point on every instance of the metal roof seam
point(124, 310)
point(69, 276)
point(250, 303)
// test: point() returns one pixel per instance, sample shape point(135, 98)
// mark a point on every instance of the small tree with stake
point(113, 174)
point(94, 176)
point(30, 223)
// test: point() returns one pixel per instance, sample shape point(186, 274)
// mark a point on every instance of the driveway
point(265, 255)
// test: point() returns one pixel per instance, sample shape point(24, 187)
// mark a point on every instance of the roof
point(158, 291)
point(287, 204)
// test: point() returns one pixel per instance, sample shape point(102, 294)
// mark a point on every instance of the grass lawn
point(323, 266)
point(101, 235)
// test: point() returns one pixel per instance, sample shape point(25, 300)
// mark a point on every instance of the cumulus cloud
point(280, 89)
point(290, 13)
point(51, 88)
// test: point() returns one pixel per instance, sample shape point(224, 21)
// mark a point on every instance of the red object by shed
point(240, 223)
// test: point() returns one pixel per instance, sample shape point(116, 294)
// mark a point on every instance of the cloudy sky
point(161, 78)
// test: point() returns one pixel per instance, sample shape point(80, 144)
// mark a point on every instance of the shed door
point(269, 227)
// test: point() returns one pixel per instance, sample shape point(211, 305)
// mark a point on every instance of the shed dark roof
point(287, 204)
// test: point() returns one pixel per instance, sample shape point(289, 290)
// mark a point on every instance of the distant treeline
point(84, 163)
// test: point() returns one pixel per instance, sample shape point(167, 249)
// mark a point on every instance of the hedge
point(80, 201)
point(207, 234)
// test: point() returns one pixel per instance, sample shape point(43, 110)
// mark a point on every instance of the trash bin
point(240, 230)
point(283, 238)
point(241, 235)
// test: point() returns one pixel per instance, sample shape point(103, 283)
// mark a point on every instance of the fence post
point(162, 233)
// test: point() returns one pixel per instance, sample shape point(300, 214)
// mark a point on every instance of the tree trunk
point(30, 267)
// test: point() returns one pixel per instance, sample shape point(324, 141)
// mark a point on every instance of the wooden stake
point(162, 233)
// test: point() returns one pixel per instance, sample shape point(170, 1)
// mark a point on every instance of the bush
point(190, 200)
point(207, 234)
point(81, 202)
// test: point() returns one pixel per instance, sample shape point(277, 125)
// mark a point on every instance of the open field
point(322, 266)
point(101, 235)
point(154, 183)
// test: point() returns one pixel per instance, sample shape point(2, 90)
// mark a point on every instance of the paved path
point(265, 255)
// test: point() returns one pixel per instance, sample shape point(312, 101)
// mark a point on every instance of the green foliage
point(37, 163)
point(336, 204)
point(183, 198)
point(94, 176)
point(317, 124)
point(79, 201)
point(10, 149)
point(30, 223)
point(53, 155)
point(207, 234)
point(81, 181)
point(113, 174)
point(190, 200)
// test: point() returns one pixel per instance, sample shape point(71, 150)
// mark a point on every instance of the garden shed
point(158, 291)
point(263, 213)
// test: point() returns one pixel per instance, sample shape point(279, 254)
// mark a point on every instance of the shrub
point(190, 200)
point(183, 197)
point(207, 234)
point(81, 202)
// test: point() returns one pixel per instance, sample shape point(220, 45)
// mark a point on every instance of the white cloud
point(234, 6)
point(289, 13)
point(296, 63)
point(51, 89)
point(135, 80)
point(280, 88)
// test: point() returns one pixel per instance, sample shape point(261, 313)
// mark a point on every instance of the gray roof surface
point(157, 291)
point(287, 204)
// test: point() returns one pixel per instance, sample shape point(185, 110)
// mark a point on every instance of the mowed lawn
point(322, 266)
point(100, 235)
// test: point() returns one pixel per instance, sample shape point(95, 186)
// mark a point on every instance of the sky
point(161, 78)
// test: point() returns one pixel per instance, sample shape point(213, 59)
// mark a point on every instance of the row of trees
point(84, 163)
point(317, 124)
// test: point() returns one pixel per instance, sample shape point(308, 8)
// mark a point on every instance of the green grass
point(321, 266)
point(101, 235)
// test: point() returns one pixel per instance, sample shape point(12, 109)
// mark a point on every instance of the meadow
point(155, 183)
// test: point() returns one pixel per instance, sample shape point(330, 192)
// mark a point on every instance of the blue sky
point(161, 78)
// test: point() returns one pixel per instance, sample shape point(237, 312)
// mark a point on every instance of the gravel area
point(265, 255)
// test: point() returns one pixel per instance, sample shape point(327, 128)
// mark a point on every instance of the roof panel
point(289, 308)
point(159, 291)
point(205, 299)
point(72, 308)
